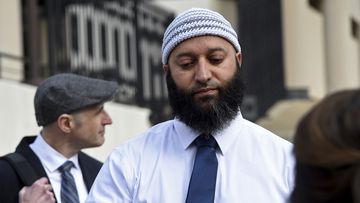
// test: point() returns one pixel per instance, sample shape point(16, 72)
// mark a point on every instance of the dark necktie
point(203, 178)
point(68, 188)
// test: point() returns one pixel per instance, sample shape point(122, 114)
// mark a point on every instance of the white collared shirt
point(254, 166)
point(51, 161)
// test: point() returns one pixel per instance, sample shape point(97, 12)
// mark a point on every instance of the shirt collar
point(185, 134)
point(50, 158)
point(224, 138)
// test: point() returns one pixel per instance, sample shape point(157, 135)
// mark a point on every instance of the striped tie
point(68, 188)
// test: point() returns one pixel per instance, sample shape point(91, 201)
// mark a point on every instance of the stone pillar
point(33, 42)
point(341, 50)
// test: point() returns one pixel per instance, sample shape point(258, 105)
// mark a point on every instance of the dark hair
point(327, 151)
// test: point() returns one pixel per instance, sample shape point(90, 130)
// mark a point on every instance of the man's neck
point(59, 141)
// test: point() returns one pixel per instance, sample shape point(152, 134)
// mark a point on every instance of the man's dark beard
point(212, 119)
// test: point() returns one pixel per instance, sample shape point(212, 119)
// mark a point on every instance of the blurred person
point(70, 109)
point(208, 152)
point(327, 151)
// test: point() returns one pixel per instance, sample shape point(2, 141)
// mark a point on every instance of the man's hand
point(39, 192)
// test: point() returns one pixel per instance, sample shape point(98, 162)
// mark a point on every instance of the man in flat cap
point(70, 109)
point(209, 152)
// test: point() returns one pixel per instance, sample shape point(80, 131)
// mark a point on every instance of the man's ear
point(65, 123)
point(239, 58)
point(166, 68)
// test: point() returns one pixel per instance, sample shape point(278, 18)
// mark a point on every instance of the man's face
point(89, 127)
point(201, 65)
point(205, 90)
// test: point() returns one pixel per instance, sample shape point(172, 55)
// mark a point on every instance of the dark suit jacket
point(10, 183)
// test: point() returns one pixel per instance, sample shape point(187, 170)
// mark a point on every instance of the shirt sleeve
point(115, 181)
point(291, 173)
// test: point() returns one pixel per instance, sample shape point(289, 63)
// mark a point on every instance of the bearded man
point(208, 152)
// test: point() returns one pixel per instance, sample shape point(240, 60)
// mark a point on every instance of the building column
point(341, 50)
point(32, 40)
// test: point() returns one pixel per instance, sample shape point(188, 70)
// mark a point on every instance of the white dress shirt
point(51, 161)
point(254, 166)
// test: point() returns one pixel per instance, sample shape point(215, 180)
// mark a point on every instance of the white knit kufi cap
point(197, 22)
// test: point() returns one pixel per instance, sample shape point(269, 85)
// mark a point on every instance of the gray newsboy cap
point(66, 93)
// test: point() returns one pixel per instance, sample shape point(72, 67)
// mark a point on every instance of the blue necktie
point(68, 188)
point(203, 178)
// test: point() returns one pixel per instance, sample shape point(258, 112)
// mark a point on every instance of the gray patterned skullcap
point(193, 23)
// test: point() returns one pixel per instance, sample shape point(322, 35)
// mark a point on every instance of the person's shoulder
point(85, 158)
point(153, 134)
point(152, 137)
point(10, 182)
point(161, 127)
point(5, 167)
point(269, 145)
point(264, 134)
